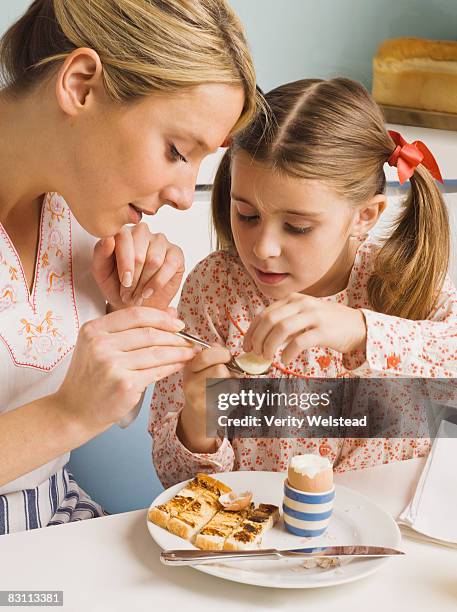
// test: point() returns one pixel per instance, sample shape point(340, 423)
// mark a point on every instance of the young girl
point(297, 280)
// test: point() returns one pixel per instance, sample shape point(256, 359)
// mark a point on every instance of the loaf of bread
point(416, 73)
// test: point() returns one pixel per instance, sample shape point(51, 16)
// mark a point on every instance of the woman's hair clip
point(407, 156)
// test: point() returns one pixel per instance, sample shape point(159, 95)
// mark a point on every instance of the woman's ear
point(367, 215)
point(77, 79)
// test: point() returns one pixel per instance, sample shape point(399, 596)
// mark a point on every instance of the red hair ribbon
point(407, 157)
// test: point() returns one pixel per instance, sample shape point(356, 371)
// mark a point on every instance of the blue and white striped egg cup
point(307, 514)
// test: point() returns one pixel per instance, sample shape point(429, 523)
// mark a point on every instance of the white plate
point(355, 520)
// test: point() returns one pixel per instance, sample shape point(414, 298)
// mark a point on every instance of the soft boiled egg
point(310, 473)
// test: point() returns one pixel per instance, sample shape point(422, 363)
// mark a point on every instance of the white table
point(111, 564)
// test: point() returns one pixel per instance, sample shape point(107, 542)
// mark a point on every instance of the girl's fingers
point(140, 236)
point(155, 357)
point(125, 256)
point(247, 342)
point(304, 341)
point(144, 337)
point(210, 357)
point(136, 317)
point(284, 331)
point(267, 321)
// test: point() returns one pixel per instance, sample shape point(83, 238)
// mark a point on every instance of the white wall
point(10, 10)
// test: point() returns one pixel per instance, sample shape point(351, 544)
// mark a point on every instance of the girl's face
point(118, 160)
point(292, 235)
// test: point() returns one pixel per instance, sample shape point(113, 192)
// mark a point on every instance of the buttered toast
point(214, 534)
point(250, 531)
point(196, 514)
point(202, 484)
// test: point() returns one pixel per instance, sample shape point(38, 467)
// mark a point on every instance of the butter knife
point(194, 557)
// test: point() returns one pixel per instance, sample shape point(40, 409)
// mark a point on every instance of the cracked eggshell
point(252, 363)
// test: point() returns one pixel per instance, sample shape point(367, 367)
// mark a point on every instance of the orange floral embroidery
point(13, 273)
point(45, 260)
point(55, 282)
point(393, 361)
point(42, 338)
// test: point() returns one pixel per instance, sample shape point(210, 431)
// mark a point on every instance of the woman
point(106, 112)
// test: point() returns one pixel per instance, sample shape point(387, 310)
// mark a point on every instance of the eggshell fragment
point(235, 501)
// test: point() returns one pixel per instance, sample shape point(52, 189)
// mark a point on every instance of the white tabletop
point(112, 564)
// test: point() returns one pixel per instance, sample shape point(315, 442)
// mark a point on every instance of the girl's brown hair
point(144, 46)
point(334, 132)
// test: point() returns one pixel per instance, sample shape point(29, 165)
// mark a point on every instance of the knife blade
point(194, 557)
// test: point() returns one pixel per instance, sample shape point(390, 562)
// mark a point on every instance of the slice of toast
point(214, 487)
point(195, 516)
point(250, 531)
point(201, 484)
point(160, 515)
point(214, 534)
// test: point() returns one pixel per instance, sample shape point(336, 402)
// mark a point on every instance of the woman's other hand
point(136, 267)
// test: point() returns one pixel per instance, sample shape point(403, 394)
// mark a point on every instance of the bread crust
point(409, 47)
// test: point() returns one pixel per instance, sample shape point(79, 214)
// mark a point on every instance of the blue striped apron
point(54, 502)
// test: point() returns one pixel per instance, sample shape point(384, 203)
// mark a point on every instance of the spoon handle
point(194, 339)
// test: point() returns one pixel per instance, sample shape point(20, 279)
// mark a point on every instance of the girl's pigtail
point(411, 267)
point(220, 203)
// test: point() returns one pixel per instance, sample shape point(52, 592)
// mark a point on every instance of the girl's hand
point(115, 358)
point(300, 322)
point(136, 267)
point(209, 363)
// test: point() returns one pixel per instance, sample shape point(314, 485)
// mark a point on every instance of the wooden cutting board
point(420, 118)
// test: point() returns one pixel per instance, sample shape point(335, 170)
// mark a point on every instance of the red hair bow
point(407, 157)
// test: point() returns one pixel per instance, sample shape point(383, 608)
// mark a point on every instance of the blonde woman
point(106, 111)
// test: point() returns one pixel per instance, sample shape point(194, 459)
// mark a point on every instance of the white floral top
point(218, 302)
point(38, 330)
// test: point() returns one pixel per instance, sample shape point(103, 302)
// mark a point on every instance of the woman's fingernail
point(127, 279)
point(147, 293)
point(179, 324)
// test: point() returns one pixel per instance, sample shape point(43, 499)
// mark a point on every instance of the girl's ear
point(78, 78)
point(367, 215)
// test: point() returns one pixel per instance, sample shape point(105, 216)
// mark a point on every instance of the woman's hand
point(115, 358)
point(300, 322)
point(139, 268)
point(209, 363)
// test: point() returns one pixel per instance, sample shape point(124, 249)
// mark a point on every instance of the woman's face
point(292, 235)
point(126, 158)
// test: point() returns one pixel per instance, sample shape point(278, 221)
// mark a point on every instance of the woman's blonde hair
point(334, 132)
point(144, 46)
